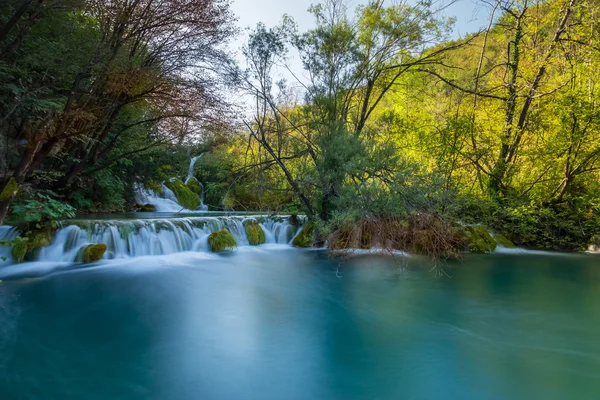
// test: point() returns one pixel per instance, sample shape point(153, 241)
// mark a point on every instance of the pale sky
point(469, 18)
point(250, 12)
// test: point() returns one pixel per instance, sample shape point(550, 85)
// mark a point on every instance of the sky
point(250, 12)
point(469, 18)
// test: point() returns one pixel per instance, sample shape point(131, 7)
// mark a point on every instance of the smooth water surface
point(277, 323)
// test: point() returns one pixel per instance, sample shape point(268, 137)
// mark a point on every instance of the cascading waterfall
point(167, 201)
point(145, 237)
point(191, 168)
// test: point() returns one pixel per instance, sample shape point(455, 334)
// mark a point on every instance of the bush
point(550, 228)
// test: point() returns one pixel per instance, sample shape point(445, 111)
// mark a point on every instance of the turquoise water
point(277, 323)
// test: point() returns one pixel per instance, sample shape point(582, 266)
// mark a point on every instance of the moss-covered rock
point(10, 190)
point(20, 248)
point(503, 241)
point(479, 239)
point(306, 236)
point(23, 247)
point(148, 208)
point(221, 241)
point(185, 197)
point(194, 185)
point(91, 253)
point(255, 233)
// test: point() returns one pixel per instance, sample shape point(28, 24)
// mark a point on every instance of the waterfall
point(146, 237)
point(167, 201)
point(191, 168)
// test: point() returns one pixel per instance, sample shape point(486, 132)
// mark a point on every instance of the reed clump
point(419, 233)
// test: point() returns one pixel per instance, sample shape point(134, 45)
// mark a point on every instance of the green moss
point(10, 190)
point(306, 236)
point(255, 233)
point(479, 239)
point(148, 208)
point(185, 196)
point(503, 241)
point(155, 186)
point(91, 253)
point(194, 185)
point(20, 248)
point(221, 241)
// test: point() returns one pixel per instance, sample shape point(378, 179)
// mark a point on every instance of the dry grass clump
point(418, 233)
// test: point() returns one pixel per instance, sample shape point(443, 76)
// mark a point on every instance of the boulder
point(148, 208)
point(305, 237)
point(185, 197)
point(479, 239)
point(221, 241)
point(194, 185)
point(91, 253)
point(503, 241)
point(255, 233)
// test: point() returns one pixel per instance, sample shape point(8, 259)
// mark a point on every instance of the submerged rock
point(221, 241)
point(305, 237)
point(255, 233)
point(503, 241)
point(185, 197)
point(479, 239)
point(148, 208)
point(91, 253)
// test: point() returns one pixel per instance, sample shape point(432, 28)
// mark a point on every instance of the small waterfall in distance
point(146, 237)
point(167, 201)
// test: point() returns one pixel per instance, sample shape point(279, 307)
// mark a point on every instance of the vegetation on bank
point(400, 137)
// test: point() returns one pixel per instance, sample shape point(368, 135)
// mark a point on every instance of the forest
point(394, 130)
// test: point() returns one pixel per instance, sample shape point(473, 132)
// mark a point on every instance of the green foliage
point(194, 185)
point(91, 253)
point(305, 237)
point(561, 228)
point(185, 196)
point(254, 233)
point(42, 208)
point(20, 248)
point(221, 241)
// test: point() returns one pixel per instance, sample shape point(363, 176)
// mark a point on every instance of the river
point(273, 322)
